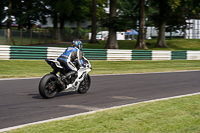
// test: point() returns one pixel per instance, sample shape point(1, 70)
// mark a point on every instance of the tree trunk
point(55, 20)
point(141, 37)
point(79, 24)
point(62, 23)
point(162, 13)
point(9, 15)
point(94, 20)
point(79, 27)
point(55, 26)
point(62, 28)
point(112, 38)
point(9, 22)
point(20, 26)
point(161, 36)
point(29, 24)
point(185, 33)
point(170, 33)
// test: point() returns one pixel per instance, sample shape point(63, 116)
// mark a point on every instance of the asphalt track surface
point(20, 102)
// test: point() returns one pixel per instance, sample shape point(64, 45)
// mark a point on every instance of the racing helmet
point(77, 43)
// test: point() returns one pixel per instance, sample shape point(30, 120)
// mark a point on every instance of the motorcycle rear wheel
point(84, 85)
point(47, 86)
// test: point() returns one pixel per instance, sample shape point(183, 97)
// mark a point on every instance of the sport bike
point(61, 79)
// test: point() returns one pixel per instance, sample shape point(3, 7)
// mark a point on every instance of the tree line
point(123, 15)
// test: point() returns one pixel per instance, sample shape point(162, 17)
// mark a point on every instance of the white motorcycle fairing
point(82, 73)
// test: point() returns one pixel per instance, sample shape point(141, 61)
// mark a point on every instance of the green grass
point(25, 41)
point(23, 68)
point(180, 115)
point(177, 44)
point(174, 44)
point(38, 68)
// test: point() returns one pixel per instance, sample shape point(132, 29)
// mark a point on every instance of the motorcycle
point(61, 79)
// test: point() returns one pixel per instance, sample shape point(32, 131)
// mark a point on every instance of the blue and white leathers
point(71, 54)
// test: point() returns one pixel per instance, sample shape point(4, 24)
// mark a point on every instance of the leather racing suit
point(72, 59)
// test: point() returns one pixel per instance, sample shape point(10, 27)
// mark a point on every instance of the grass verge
point(38, 68)
point(174, 116)
point(174, 44)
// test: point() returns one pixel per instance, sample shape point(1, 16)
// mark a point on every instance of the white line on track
point(91, 112)
point(19, 78)
point(147, 73)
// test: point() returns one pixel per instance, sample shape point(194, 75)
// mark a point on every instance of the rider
point(72, 59)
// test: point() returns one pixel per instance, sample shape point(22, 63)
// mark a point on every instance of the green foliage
point(83, 10)
point(80, 33)
point(194, 4)
point(80, 11)
point(101, 4)
point(174, 13)
point(2, 11)
point(127, 15)
point(64, 7)
point(150, 11)
point(27, 13)
point(174, 4)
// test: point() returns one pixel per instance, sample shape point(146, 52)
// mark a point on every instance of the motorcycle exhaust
point(60, 84)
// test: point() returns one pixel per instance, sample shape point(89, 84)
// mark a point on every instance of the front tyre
point(84, 85)
point(47, 86)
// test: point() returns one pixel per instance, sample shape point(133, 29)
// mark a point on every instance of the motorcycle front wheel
point(47, 86)
point(84, 85)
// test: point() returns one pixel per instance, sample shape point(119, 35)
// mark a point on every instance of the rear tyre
point(84, 85)
point(48, 87)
